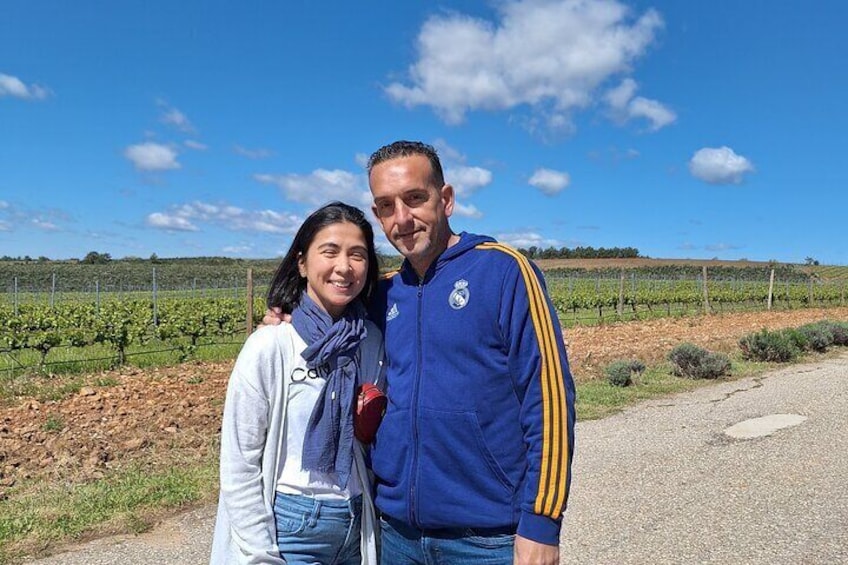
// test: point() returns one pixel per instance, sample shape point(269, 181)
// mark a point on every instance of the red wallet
point(370, 409)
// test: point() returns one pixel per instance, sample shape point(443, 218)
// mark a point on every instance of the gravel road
point(660, 483)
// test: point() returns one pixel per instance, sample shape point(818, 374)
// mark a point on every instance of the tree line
point(534, 252)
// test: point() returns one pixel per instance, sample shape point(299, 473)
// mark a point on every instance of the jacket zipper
point(413, 511)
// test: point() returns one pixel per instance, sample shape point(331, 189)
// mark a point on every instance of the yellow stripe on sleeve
point(551, 491)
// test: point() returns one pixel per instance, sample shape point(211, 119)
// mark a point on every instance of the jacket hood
point(467, 241)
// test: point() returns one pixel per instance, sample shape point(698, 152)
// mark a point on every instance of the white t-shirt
point(304, 389)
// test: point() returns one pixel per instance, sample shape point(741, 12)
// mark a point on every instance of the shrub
point(769, 346)
point(839, 330)
point(618, 373)
point(819, 336)
point(797, 339)
point(695, 362)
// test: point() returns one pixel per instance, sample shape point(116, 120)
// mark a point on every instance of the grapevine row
point(182, 322)
point(580, 294)
point(120, 324)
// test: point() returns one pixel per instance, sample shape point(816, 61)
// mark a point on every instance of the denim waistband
point(446, 533)
point(320, 507)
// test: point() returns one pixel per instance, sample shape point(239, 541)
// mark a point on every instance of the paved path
point(661, 483)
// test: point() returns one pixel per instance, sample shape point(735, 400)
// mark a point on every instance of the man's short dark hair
point(404, 148)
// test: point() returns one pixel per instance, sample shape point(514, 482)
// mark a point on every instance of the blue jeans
point(318, 532)
point(402, 544)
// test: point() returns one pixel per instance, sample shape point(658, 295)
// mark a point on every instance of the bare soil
point(171, 414)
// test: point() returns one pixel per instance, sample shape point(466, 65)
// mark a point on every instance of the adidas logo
point(392, 313)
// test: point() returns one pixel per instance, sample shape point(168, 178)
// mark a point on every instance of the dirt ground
point(173, 413)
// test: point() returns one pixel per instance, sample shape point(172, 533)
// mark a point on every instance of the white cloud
point(448, 153)
point(550, 182)
point(44, 225)
point(626, 106)
point(252, 153)
point(168, 222)
point(177, 119)
point(12, 217)
point(526, 240)
point(467, 180)
point(44, 219)
point(719, 165)
point(186, 217)
point(152, 156)
point(237, 249)
point(15, 87)
point(196, 145)
point(722, 247)
point(550, 55)
point(651, 110)
point(318, 187)
point(621, 95)
point(466, 210)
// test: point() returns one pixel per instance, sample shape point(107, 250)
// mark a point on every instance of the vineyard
point(77, 335)
point(57, 324)
point(598, 298)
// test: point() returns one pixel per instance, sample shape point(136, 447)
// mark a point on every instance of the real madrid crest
point(460, 295)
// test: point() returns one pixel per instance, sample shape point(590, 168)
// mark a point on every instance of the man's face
point(413, 213)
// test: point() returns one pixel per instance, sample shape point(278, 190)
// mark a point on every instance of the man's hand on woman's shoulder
point(274, 317)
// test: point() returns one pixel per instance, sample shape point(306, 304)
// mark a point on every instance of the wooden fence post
point(621, 295)
point(810, 303)
point(155, 300)
point(771, 289)
point(249, 301)
point(706, 294)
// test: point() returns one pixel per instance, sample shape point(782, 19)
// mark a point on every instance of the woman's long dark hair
point(287, 284)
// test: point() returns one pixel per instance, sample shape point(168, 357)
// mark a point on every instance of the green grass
point(598, 399)
point(38, 387)
point(54, 423)
point(36, 517)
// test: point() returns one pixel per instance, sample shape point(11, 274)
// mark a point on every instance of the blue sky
point(684, 129)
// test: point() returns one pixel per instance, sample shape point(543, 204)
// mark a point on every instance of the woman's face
point(335, 266)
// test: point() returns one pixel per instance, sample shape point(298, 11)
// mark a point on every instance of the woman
point(294, 486)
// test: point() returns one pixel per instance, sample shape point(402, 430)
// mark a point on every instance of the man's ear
point(448, 199)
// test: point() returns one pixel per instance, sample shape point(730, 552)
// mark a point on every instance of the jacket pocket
point(460, 481)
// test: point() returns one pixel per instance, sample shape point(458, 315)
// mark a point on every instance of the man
point(473, 457)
